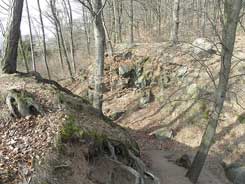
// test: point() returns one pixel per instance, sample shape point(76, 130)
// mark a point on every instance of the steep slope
point(49, 135)
point(163, 95)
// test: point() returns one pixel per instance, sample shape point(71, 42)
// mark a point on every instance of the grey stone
point(122, 84)
point(116, 115)
point(184, 161)
point(164, 81)
point(235, 172)
point(125, 70)
point(146, 98)
point(163, 134)
point(193, 90)
point(182, 72)
point(123, 56)
point(142, 82)
point(202, 47)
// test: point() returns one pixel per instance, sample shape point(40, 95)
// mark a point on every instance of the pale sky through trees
point(34, 17)
point(24, 24)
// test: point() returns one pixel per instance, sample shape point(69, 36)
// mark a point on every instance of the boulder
point(123, 56)
point(184, 161)
point(125, 70)
point(163, 134)
point(202, 47)
point(116, 115)
point(241, 118)
point(235, 172)
point(142, 82)
point(182, 72)
point(193, 90)
point(164, 81)
point(122, 84)
point(146, 98)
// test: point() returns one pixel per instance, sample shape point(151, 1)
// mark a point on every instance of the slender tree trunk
point(159, 14)
point(86, 30)
point(43, 39)
point(9, 62)
point(116, 12)
point(72, 37)
point(23, 54)
point(57, 22)
point(70, 18)
point(31, 38)
point(204, 17)
point(231, 11)
point(175, 27)
point(109, 42)
point(120, 11)
point(59, 46)
point(99, 35)
point(131, 17)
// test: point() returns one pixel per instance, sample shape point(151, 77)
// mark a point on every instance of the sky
point(24, 24)
point(34, 16)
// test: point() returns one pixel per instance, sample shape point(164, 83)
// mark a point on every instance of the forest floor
point(186, 117)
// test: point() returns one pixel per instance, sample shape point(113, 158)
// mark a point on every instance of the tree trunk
point(23, 54)
point(72, 45)
point(99, 35)
point(117, 26)
point(175, 26)
point(204, 17)
point(131, 17)
point(43, 39)
point(108, 40)
point(31, 38)
point(86, 30)
point(57, 22)
point(120, 11)
point(9, 62)
point(231, 12)
point(59, 46)
point(159, 16)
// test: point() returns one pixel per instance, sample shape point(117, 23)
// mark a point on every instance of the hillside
point(49, 135)
point(163, 95)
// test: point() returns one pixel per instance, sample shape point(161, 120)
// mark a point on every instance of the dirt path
point(170, 173)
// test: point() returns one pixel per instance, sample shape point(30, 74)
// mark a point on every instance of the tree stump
point(22, 104)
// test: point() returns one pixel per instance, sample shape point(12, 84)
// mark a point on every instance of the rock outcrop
point(235, 172)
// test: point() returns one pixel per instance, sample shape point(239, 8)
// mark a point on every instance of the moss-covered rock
point(241, 118)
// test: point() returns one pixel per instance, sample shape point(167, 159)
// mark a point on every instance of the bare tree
point(108, 39)
point(43, 39)
point(31, 37)
point(96, 8)
point(86, 29)
point(175, 26)
point(131, 16)
point(99, 36)
point(204, 17)
point(60, 35)
point(117, 11)
point(9, 62)
point(232, 10)
point(68, 10)
point(23, 54)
